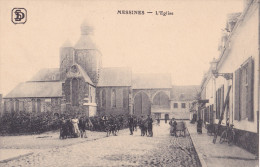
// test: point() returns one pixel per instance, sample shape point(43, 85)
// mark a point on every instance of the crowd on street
point(76, 126)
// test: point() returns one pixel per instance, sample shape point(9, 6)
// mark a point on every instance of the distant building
point(82, 85)
point(181, 101)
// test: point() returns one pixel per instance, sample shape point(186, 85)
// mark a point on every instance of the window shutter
point(237, 114)
point(217, 104)
point(222, 100)
point(250, 91)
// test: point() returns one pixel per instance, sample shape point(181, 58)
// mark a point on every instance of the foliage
point(27, 123)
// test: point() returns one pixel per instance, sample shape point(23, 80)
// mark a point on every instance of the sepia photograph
point(90, 83)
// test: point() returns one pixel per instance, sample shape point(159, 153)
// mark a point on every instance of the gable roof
point(151, 81)
point(80, 73)
point(115, 76)
point(47, 74)
point(184, 92)
point(36, 89)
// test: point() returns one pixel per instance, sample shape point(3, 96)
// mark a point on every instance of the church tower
point(86, 53)
point(66, 59)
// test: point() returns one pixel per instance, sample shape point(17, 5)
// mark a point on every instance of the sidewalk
point(212, 155)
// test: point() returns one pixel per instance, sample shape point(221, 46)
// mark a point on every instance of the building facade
point(82, 85)
point(231, 85)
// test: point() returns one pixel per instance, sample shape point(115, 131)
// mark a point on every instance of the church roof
point(47, 74)
point(115, 76)
point(151, 81)
point(183, 93)
point(36, 89)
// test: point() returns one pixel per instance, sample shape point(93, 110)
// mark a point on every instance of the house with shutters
point(230, 88)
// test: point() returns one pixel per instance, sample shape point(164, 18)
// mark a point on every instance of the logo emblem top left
point(19, 15)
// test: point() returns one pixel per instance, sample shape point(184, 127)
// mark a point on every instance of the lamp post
point(215, 72)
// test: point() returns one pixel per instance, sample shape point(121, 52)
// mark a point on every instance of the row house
point(231, 85)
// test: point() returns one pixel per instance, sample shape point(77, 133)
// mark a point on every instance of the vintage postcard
point(129, 83)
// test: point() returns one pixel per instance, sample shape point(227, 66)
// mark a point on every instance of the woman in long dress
point(75, 123)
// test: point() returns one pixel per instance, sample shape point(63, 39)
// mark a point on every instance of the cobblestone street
point(121, 150)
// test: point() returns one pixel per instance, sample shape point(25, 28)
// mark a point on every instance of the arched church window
point(33, 105)
point(125, 98)
point(12, 105)
point(38, 105)
point(75, 92)
point(113, 98)
point(17, 105)
point(103, 98)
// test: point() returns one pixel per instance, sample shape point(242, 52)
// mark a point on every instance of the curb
point(17, 157)
point(202, 161)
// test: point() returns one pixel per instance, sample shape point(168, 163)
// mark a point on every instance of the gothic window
point(125, 98)
point(103, 98)
point(12, 105)
point(33, 105)
point(21, 105)
point(67, 90)
point(75, 92)
point(113, 98)
point(17, 105)
point(38, 105)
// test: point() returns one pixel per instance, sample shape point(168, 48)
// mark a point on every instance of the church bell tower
point(86, 53)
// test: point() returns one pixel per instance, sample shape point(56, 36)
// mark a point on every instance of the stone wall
point(121, 99)
point(66, 60)
point(26, 104)
point(89, 60)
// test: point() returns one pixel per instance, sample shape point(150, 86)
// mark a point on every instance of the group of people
point(76, 126)
point(145, 125)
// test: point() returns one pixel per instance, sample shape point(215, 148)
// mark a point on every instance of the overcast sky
point(182, 44)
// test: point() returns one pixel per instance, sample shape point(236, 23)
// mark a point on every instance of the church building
point(82, 85)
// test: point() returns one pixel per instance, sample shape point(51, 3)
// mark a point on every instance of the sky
point(182, 44)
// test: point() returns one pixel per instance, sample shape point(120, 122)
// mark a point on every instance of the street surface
point(121, 150)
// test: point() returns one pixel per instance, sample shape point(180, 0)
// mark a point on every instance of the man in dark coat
point(150, 125)
point(131, 124)
point(173, 124)
point(82, 127)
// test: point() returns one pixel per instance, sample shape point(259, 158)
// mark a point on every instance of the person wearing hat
point(131, 124)
point(150, 125)
point(173, 124)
